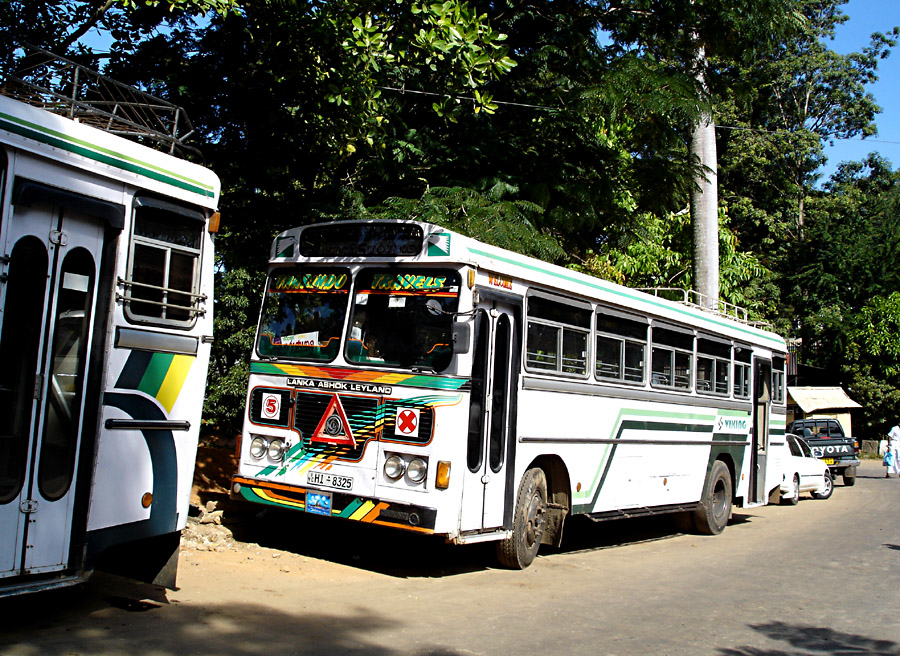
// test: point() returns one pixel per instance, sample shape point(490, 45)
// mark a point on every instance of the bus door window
point(475, 444)
point(66, 376)
point(19, 347)
point(500, 393)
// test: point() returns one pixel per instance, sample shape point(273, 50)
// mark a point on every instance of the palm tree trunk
point(705, 203)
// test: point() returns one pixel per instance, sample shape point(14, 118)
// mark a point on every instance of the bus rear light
point(442, 480)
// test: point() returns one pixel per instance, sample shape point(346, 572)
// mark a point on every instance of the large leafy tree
point(692, 37)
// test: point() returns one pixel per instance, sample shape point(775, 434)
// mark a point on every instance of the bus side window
point(558, 335)
point(621, 349)
point(713, 364)
point(164, 264)
point(670, 358)
point(742, 372)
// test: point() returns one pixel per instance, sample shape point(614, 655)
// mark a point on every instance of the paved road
point(821, 578)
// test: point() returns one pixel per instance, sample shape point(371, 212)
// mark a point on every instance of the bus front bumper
point(332, 503)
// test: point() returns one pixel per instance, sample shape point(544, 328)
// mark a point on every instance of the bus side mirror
point(460, 336)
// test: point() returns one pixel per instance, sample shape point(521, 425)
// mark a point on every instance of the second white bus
point(409, 376)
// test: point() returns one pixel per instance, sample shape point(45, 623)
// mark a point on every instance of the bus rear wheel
point(519, 550)
point(714, 511)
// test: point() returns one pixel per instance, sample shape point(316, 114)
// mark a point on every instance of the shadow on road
point(397, 553)
point(810, 640)
point(109, 616)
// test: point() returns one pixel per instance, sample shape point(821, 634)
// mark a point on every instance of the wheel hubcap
point(719, 501)
point(534, 521)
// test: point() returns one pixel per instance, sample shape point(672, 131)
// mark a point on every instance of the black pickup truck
point(828, 443)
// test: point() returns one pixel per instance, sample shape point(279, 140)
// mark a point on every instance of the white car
point(803, 472)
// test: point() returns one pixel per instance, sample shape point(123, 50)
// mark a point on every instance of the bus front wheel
point(715, 508)
point(519, 550)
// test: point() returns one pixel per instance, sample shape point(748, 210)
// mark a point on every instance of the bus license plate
point(330, 480)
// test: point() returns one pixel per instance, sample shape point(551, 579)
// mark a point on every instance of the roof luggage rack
point(43, 79)
point(700, 301)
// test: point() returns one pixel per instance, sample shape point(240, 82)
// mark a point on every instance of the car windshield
point(403, 318)
point(303, 314)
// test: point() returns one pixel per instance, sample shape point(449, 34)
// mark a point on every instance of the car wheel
point(793, 496)
point(715, 507)
point(828, 489)
point(518, 550)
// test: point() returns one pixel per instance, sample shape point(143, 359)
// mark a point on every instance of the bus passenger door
point(762, 400)
point(48, 298)
point(491, 435)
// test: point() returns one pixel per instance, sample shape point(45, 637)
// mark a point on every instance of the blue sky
point(866, 17)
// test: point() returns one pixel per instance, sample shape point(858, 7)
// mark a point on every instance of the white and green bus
point(106, 267)
point(409, 376)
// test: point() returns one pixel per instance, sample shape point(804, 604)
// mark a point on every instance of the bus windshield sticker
point(303, 315)
point(395, 282)
point(321, 282)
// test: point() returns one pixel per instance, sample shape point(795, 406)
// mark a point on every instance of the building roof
point(811, 399)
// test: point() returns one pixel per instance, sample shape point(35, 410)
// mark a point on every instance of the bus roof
point(62, 139)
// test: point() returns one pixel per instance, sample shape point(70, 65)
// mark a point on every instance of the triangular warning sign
point(334, 427)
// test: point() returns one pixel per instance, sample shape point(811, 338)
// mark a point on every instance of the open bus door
point(491, 436)
point(49, 299)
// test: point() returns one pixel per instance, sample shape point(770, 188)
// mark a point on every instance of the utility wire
point(404, 90)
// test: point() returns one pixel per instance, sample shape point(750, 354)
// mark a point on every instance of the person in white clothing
point(893, 447)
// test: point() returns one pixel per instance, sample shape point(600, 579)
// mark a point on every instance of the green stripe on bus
point(650, 300)
point(350, 509)
point(97, 153)
point(156, 373)
point(593, 492)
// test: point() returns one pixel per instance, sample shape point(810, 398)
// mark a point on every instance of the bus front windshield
point(403, 318)
point(303, 314)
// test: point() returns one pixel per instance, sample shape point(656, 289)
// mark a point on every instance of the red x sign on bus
point(407, 422)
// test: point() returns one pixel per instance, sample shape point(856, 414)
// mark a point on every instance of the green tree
point(691, 37)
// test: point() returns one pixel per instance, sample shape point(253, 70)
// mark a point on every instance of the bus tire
point(714, 511)
point(519, 550)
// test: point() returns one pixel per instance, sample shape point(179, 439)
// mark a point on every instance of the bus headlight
point(258, 447)
point(276, 450)
point(394, 467)
point(416, 470)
